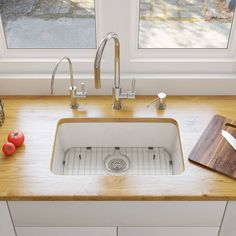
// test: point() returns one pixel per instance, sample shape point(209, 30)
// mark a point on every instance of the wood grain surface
point(213, 151)
point(26, 175)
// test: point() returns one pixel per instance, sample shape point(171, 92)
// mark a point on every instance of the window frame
point(178, 54)
point(41, 58)
point(133, 60)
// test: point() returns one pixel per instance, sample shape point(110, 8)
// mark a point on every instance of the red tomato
point(8, 148)
point(17, 138)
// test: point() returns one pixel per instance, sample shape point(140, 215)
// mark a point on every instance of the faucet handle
point(83, 93)
point(131, 94)
point(83, 87)
point(124, 94)
point(133, 85)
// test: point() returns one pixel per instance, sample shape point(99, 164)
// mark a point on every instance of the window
point(156, 36)
point(185, 23)
point(49, 24)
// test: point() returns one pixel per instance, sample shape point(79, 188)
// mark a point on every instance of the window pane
point(185, 23)
point(49, 23)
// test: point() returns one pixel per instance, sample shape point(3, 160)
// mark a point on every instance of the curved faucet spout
point(72, 88)
point(55, 70)
point(97, 61)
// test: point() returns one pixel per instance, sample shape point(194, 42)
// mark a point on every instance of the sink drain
point(117, 163)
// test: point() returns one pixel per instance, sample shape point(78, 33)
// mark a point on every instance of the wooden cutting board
point(212, 149)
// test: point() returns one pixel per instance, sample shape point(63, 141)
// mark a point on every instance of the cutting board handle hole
point(230, 125)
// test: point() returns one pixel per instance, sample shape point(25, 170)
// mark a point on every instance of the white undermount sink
point(99, 146)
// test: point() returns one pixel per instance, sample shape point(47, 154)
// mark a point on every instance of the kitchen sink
point(101, 146)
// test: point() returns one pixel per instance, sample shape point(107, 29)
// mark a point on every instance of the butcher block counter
point(27, 176)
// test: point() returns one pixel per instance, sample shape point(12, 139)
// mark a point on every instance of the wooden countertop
point(27, 175)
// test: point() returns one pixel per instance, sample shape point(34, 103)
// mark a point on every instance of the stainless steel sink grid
point(117, 161)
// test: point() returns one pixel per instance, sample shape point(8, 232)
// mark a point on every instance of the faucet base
point(116, 99)
point(73, 103)
point(117, 106)
point(72, 106)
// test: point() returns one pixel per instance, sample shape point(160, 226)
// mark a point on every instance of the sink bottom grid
point(117, 161)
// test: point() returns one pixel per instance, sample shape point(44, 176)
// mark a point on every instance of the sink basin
point(101, 146)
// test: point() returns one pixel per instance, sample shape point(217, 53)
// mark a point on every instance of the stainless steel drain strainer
point(117, 163)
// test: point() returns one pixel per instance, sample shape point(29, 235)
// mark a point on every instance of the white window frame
point(177, 54)
point(181, 60)
point(41, 60)
point(122, 17)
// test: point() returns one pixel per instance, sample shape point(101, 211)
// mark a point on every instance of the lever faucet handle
point(83, 87)
point(133, 85)
point(131, 94)
point(83, 93)
point(128, 94)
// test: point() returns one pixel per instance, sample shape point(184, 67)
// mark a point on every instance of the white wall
point(146, 84)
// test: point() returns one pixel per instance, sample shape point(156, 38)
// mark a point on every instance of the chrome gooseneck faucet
point(73, 90)
point(116, 90)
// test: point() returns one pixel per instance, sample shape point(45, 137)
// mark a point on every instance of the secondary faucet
point(116, 90)
point(72, 89)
